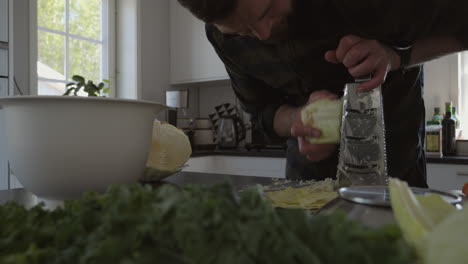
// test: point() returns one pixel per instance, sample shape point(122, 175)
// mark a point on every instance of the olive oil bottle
point(449, 143)
point(455, 116)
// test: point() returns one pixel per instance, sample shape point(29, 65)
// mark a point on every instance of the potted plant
point(88, 86)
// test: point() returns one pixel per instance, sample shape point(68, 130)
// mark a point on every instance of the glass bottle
point(449, 143)
point(433, 139)
point(455, 116)
point(437, 117)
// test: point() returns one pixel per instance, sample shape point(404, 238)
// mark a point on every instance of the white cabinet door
point(3, 159)
point(4, 20)
point(446, 177)
point(3, 62)
point(193, 59)
point(3, 86)
point(3, 91)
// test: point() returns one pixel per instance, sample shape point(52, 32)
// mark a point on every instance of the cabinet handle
point(465, 174)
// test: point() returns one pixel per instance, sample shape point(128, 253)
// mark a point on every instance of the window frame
point(108, 41)
point(462, 93)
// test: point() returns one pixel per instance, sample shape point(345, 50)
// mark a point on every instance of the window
point(446, 80)
point(463, 93)
point(74, 37)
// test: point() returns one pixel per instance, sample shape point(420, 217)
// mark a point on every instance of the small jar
point(433, 139)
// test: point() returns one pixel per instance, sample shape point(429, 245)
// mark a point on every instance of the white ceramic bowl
point(59, 147)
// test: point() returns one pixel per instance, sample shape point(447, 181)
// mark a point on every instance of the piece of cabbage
point(436, 229)
point(311, 195)
point(324, 114)
point(409, 212)
point(448, 242)
point(170, 150)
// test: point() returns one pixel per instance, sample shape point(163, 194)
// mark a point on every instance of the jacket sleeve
point(459, 21)
point(255, 97)
point(403, 22)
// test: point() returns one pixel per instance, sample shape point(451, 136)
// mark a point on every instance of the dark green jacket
point(266, 75)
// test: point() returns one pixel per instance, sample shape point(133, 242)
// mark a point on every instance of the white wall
point(154, 48)
point(21, 45)
point(142, 31)
point(127, 59)
point(440, 83)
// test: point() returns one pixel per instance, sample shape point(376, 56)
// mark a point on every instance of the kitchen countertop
point(238, 182)
point(461, 160)
point(279, 153)
point(265, 153)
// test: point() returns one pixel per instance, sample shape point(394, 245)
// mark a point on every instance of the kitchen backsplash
point(211, 96)
point(205, 96)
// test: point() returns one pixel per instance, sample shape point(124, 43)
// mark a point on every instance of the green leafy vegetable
point(413, 219)
point(88, 86)
point(447, 243)
point(196, 224)
point(432, 225)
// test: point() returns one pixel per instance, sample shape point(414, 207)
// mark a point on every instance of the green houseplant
point(88, 86)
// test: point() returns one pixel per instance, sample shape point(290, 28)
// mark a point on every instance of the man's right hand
point(365, 56)
point(313, 152)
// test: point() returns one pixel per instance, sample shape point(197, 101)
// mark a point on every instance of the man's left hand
point(363, 57)
point(313, 152)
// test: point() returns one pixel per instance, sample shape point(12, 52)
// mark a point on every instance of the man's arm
point(363, 56)
point(433, 48)
point(433, 28)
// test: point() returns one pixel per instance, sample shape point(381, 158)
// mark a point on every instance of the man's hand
point(363, 57)
point(313, 152)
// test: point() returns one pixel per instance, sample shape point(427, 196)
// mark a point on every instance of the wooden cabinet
point(193, 59)
point(446, 177)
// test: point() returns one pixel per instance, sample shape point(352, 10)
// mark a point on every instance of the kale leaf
point(136, 224)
